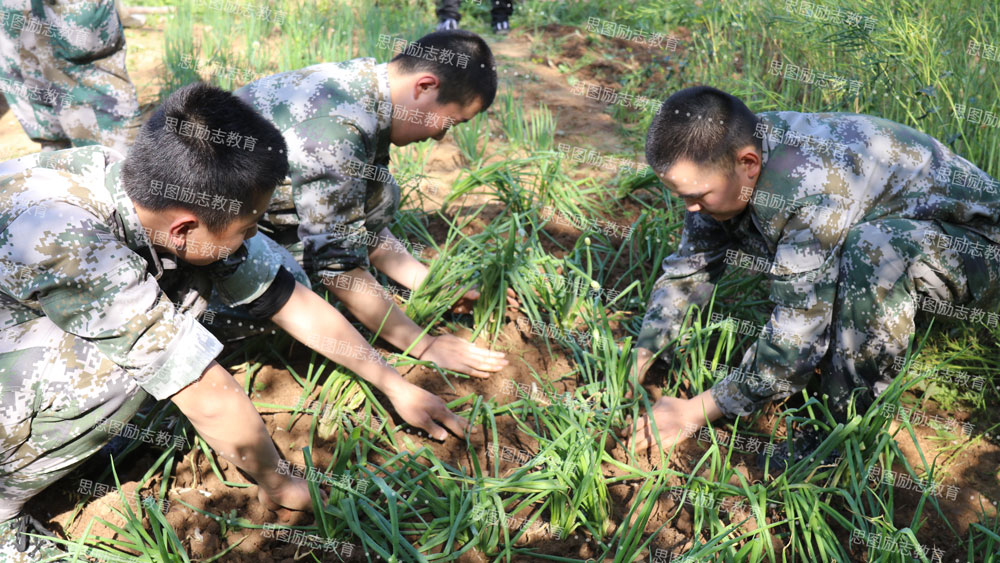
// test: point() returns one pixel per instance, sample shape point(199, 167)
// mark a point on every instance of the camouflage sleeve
point(65, 160)
point(689, 278)
point(383, 203)
point(796, 336)
point(89, 284)
point(90, 162)
point(246, 274)
point(19, 164)
point(327, 159)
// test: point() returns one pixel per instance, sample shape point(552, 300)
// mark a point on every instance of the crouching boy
point(105, 265)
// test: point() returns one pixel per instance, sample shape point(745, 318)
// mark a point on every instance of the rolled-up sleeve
point(89, 284)
point(689, 278)
point(329, 162)
point(797, 334)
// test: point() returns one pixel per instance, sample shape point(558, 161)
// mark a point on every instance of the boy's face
point(710, 191)
point(201, 246)
point(419, 97)
point(190, 240)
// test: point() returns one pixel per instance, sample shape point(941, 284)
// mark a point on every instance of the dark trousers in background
point(500, 9)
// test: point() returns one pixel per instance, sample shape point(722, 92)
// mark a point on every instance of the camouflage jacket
point(72, 249)
point(821, 174)
point(335, 118)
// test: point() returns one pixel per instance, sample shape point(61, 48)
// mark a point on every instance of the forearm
point(644, 359)
point(703, 405)
point(376, 311)
point(225, 417)
point(393, 260)
point(307, 317)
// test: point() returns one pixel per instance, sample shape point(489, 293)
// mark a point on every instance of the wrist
point(643, 361)
point(395, 389)
point(703, 406)
point(272, 482)
point(421, 347)
point(268, 475)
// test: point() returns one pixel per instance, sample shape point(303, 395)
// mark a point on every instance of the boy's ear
point(182, 224)
point(426, 84)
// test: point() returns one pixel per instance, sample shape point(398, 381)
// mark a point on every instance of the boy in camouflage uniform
point(857, 221)
point(103, 277)
point(62, 70)
point(333, 214)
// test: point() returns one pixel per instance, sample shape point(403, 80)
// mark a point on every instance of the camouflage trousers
point(889, 271)
point(57, 388)
point(62, 71)
point(54, 389)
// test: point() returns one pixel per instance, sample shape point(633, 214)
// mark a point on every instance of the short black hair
point(471, 73)
point(701, 124)
point(206, 151)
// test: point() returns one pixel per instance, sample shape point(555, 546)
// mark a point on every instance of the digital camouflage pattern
point(848, 217)
point(62, 71)
point(340, 193)
point(92, 318)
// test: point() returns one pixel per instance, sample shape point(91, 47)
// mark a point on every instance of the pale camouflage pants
point(54, 390)
point(889, 270)
point(62, 71)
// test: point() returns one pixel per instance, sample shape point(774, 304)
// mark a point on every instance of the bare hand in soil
point(670, 415)
point(465, 304)
point(452, 353)
point(421, 408)
point(293, 495)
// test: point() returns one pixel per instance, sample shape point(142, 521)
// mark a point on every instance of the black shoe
point(447, 24)
point(804, 444)
point(17, 546)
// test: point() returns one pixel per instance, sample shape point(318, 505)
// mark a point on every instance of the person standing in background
point(448, 16)
point(62, 71)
